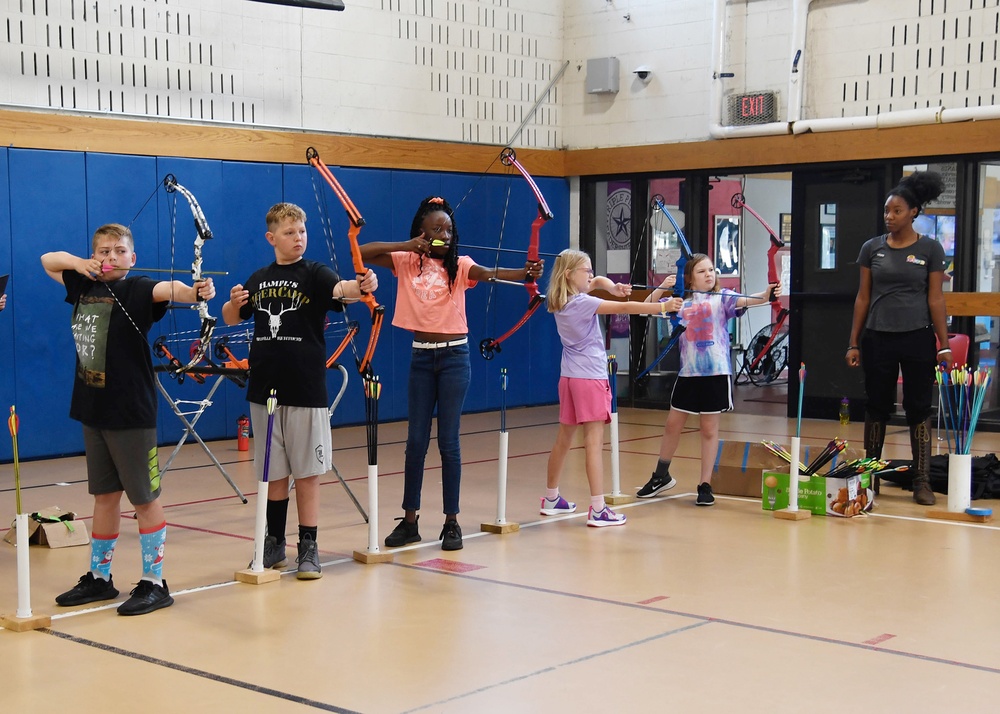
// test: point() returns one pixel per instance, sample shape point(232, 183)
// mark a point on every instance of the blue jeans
point(437, 377)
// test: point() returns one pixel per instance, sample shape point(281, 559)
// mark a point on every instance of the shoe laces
point(143, 588)
point(451, 530)
point(309, 551)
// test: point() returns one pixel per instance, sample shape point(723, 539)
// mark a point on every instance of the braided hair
point(429, 205)
point(919, 188)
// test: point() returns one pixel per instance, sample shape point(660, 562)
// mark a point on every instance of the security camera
point(642, 72)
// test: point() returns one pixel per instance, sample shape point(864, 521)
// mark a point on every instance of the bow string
point(204, 233)
point(739, 202)
point(490, 346)
point(356, 221)
point(676, 326)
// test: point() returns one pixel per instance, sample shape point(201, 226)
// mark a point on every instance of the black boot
point(920, 447)
point(874, 439)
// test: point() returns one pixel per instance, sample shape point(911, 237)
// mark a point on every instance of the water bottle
point(845, 411)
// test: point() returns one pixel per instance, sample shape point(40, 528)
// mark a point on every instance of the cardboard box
point(739, 467)
point(821, 496)
point(52, 527)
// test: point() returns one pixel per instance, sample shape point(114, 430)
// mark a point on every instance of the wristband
point(853, 347)
point(663, 308)
point(941, 352)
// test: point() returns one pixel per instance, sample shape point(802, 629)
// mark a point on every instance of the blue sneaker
point(605, 517)
point(554, 508)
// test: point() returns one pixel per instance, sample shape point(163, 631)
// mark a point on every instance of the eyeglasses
point(588, 271)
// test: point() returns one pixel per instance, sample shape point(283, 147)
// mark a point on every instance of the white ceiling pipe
point(834, 124)
point(970, 114)
point(885, 120)
point(908, 117)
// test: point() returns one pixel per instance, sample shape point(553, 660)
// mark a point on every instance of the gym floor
point(683, 609)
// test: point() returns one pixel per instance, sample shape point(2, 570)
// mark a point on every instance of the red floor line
point(721, 621)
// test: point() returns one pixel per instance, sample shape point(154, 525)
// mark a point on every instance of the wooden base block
point(24, 624)
point(501, 528)
point(960, 516)
point(369, 558)
point(799, 515)
point(618, 500)
point(252, 577)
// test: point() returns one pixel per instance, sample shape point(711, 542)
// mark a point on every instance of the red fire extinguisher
point(243, 433)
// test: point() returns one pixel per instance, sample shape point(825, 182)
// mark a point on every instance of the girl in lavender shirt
point(584, 392)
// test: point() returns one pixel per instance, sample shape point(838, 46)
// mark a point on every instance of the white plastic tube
point(502, 480)
point(793, 475)
point(23, 567)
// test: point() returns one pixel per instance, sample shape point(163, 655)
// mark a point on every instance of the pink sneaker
point(605, 517)
point(556, 507)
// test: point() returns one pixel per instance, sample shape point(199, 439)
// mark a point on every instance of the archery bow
point(739, 202)
point(676, 327)
point(204, 234)
point(356, 221)
point(490, 346)
point(779, 312)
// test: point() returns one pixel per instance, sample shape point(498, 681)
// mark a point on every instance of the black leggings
point(883, 356)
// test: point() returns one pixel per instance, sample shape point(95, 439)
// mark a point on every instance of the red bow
point(356, 221)
point(490, 346)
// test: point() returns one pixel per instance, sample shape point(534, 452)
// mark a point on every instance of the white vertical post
point(23, 567)
point(616, 490)
point(259, 528)
point(502, 480)
point(373, 508)
point(793, 476)
point(500, 525)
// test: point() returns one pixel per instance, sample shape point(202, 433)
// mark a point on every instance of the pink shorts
point(583, 400)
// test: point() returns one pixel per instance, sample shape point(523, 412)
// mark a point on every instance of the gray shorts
point(300, 441)
point(122, 460)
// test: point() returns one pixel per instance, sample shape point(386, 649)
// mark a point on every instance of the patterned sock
point(277, 519)
point(152, 542)
point(552, 494)
point(597, 503)
point(662, 471)
point(102, 549)
point(310, 531)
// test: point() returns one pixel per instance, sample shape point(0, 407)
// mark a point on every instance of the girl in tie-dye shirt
point(703, 385)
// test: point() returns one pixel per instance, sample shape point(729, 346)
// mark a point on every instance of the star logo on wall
point(619, 219)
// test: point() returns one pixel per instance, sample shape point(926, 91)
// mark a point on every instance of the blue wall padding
point(57, 200)
point(8, 358)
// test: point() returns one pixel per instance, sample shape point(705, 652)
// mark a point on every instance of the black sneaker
point(88, 589)
point(655, 485)
point(705, 495)
point(146, 597)
point(403, 533)
point(451, 536)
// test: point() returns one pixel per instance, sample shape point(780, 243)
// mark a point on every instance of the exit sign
point(752, 108)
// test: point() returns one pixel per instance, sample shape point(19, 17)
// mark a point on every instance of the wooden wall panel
point(70, 132)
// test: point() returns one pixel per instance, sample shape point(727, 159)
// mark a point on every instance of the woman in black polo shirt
point(898, 313)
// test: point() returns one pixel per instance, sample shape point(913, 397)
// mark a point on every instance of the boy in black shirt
point(114, 398)
point(289, 300)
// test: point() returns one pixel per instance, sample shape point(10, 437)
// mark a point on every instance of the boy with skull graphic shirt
point(288, 301)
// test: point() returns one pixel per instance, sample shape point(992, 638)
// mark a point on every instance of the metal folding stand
point(221, 374)
point(343, 388)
